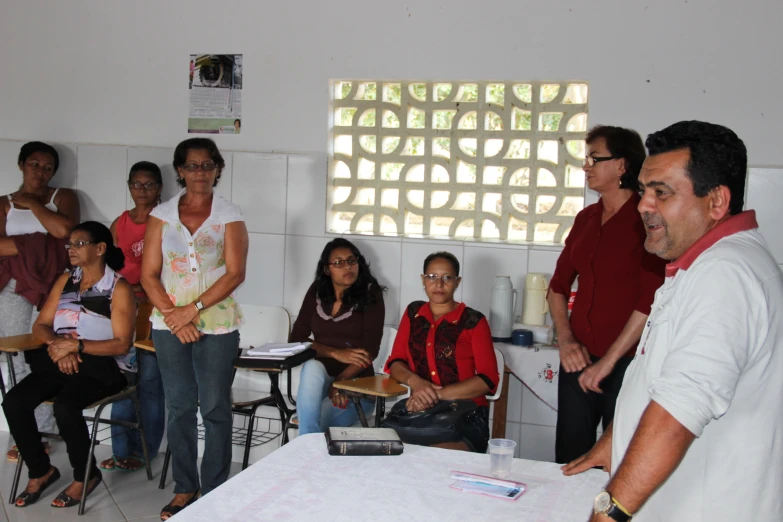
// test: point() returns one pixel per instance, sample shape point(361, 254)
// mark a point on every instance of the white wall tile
point(480, 268)
point(101, 182)
point(537, 443)
point(162, 157)
point(543, 261)
point(764, 193)
point(513, 430)
point(413, 255)
point(515, 400)
point(10, 176)
point(224, 186)
point(301, 257)
point(265, 266)
point(385, 258)
point(535, 411)
point(306, 214)
point(69, 164)
point(259, 188)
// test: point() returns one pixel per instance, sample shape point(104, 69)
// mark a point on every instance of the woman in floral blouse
point(195, 252)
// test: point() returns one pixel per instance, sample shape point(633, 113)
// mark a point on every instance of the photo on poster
point(215, 86)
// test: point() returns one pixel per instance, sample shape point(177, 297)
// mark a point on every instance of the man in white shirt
point(698, 427)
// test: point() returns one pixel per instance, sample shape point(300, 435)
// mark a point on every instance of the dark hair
point(98, 233)
point(238, 121)
point(447, 256)
point(364, 292)
point(181, 155)
point(717, 157)
point(622, 143)
point(30, 148)
point(146, 166)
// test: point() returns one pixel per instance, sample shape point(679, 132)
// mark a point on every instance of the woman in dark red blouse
point(343, 315)
point(617, 282)
point(444, 351)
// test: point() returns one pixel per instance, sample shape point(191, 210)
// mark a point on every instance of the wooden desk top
point(19, 343)
point(146, 344)
point(377, 385)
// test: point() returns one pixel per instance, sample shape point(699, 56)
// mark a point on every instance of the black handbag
point(443, 422)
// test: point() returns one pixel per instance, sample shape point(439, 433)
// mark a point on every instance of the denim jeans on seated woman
point(126, 442)
point(198, 375)
point(314, 408)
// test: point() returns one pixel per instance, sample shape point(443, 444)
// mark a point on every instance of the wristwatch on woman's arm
point(199, 305)
point(606, 504)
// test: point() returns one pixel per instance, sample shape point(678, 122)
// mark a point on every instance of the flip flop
point(113, 459)
point(69, 501)
point(118, 467)
point(32, 498)
point(173, 510)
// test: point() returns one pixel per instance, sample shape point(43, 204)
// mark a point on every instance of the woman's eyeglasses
point(78, 244)
point(207, 166)
point(339, 263)
point(590, 161)
point(434, 278)
point(138, 185)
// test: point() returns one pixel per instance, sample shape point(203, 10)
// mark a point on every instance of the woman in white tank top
point(35, 207)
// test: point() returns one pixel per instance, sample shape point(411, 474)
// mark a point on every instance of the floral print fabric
point(192, 263)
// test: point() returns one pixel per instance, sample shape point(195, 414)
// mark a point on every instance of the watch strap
point(616, 512)
point(81, 346)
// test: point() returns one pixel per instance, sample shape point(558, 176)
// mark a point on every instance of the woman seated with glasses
point(444, 352)
point(87, 324)
point(342, 314)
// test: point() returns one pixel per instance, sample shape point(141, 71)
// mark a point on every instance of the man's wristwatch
point(199, 305)
point(81, 346)
point(606, 504)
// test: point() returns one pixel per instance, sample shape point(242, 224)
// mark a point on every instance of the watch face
point(602, 502)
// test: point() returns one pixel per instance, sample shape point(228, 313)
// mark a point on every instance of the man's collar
point(736, 223)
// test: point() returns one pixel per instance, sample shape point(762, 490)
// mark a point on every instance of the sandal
point(32, 498)
point(13, 454)
point(69, 501)
point(173, 510)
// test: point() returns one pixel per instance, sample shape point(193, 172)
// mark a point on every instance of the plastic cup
point(501, 455)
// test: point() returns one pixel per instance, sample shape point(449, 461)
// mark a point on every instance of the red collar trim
point(451, 317)
point(738, 223)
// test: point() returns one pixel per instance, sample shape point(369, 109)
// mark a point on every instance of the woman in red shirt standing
point(617, 283)
point(444, 351)
point(146, 184)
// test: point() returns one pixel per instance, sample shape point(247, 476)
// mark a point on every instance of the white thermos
point(534, 305)
point(501, 311)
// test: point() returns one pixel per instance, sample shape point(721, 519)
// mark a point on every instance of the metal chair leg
point(380, 410)
point(362, 417)
point(17, 476)
point(165, 469)
point(140, 428)
point(88, 466)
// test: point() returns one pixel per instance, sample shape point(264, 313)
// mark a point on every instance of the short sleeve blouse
point(192, 263)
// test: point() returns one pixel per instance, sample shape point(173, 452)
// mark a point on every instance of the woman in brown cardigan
point(342, 314)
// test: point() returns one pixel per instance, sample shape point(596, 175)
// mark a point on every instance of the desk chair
point(263, 324)
point(130, 392)
point(370, 387)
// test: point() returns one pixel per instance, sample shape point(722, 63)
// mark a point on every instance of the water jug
point(501, 311)
point(534, 305)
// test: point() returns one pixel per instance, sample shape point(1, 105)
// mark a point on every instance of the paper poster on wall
point(215, 94)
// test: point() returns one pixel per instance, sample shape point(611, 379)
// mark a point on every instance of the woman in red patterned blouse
point(444, 351)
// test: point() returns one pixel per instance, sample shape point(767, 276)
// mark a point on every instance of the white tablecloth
point(301, 481)
point(537, 366)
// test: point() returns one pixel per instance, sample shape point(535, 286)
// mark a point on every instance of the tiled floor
point(121, 497)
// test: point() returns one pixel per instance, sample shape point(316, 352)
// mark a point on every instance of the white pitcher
point(534, 305)
point(501, 312)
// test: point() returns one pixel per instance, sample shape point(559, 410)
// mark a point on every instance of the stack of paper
point(277, 350)
point(493, 487)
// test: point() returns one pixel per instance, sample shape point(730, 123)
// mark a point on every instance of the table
point(378, 387)
point(537, 367)
point(11, 345)
point(300, 481)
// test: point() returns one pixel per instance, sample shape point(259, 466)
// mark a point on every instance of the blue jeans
point(126, 442)
point(314, 408)
point(198, 375)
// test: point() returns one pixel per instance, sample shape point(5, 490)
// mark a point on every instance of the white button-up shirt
point(711, 354)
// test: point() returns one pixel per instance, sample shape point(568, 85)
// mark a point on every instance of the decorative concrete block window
point(459, 160)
